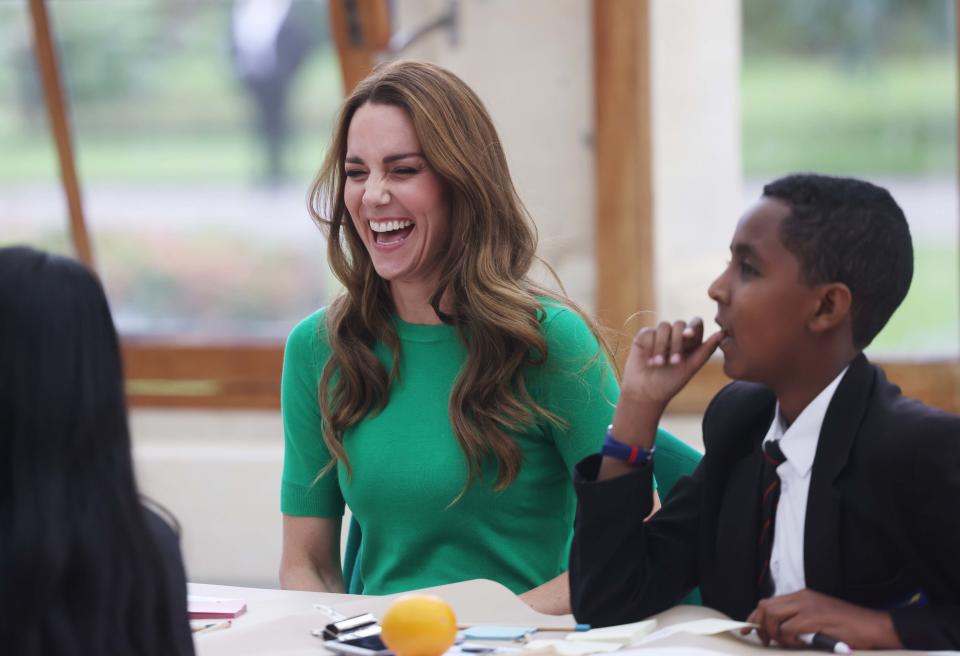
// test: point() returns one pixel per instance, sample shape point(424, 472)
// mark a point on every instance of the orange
point(419, 625)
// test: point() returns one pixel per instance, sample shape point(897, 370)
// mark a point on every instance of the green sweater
point(408, 465)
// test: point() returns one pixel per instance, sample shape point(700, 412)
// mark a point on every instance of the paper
point(704, 627)
point(623, 634)
point(200, 607)
point(569, 648)
point(710, 626)
point(673, 651)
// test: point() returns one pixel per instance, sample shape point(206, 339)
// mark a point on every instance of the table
point(279, 622)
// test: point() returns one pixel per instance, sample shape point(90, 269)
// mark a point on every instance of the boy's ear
point(834, 308)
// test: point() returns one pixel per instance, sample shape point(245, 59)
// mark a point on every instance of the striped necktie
point(770, 495)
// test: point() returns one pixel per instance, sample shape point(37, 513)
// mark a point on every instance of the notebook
point(204, 608)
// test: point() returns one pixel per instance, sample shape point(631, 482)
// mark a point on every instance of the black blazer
point(882, 526)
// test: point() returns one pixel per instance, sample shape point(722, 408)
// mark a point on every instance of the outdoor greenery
point(926, 325)
point(861, 87)
point(153, 95)
point(897, 117)
point(865, 88)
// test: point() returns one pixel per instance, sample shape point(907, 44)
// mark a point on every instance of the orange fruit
point(419, 625)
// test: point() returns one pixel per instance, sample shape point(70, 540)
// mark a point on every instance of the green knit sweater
point(408, 465)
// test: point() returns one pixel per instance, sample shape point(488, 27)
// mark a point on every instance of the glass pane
point(198, 129)
point(866, 88)
point(32, 207)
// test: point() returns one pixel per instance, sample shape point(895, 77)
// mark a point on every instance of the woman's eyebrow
point(398, 156)
point(353, 159)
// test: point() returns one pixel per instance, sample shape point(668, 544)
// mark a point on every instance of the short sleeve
point(304, 451)
point(578, 385)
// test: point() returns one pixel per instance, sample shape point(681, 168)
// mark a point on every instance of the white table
point(279, 622)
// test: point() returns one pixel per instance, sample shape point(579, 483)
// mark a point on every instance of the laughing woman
point(444, 397)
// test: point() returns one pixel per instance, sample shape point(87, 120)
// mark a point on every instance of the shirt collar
point(799, 441)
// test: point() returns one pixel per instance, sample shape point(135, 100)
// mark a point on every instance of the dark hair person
point(85, 568)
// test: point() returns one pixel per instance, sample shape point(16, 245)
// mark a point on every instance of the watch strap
point(629, 453)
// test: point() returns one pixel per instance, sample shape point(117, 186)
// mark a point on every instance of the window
point(868, 89)
point(197, 128)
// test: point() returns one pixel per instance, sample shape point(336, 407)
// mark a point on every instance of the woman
point(86, 569)
point(443, 396)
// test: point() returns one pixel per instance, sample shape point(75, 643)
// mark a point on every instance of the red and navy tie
point(770, 495)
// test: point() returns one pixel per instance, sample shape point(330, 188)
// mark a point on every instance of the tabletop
point(280, 621)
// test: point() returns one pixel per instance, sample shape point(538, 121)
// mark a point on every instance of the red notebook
point(214, 608)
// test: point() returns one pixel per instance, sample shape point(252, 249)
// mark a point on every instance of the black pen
point(825, 643)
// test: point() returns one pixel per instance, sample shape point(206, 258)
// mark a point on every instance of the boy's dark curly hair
point(849, 231)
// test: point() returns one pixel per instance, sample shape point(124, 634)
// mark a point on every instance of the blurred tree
point(856, 30)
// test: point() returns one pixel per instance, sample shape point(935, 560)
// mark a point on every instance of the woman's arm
point(550, 598)
point(310, 559)
point(553, 597)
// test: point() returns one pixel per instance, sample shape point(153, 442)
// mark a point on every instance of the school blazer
point(882, 523)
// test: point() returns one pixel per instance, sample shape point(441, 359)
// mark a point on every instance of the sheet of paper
point(672, 651)
point(624, 634)
point(569, 648)
point(707, 626)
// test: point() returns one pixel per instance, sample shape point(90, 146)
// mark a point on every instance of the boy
point(826, 502)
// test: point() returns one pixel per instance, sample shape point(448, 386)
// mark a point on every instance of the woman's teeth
point(389, 226)
point(391, 232)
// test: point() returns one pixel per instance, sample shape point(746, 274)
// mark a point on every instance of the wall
point(697, 174)
point(531, 64)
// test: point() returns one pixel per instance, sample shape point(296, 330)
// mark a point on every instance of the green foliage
point(852, 31)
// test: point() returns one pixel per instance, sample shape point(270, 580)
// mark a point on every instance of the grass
point(899, 117)
point(145, 159)
point(928, 322)
point(191, 123)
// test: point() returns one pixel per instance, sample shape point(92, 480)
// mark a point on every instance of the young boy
point(826, 502)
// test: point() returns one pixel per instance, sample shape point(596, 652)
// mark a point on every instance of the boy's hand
point(664, 359)
point(661, 361)
point(783, 618)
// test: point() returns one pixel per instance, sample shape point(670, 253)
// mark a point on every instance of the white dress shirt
point(799, 444)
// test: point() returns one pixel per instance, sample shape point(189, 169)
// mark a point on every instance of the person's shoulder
point(738, 395)
point(309, 336)
point(901, 417)
point(163, 528)
point(734, 411)
point(313, 326)
point(568, 335)
point(561, 322)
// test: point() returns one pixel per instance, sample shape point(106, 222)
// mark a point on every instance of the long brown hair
point(484, 277)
